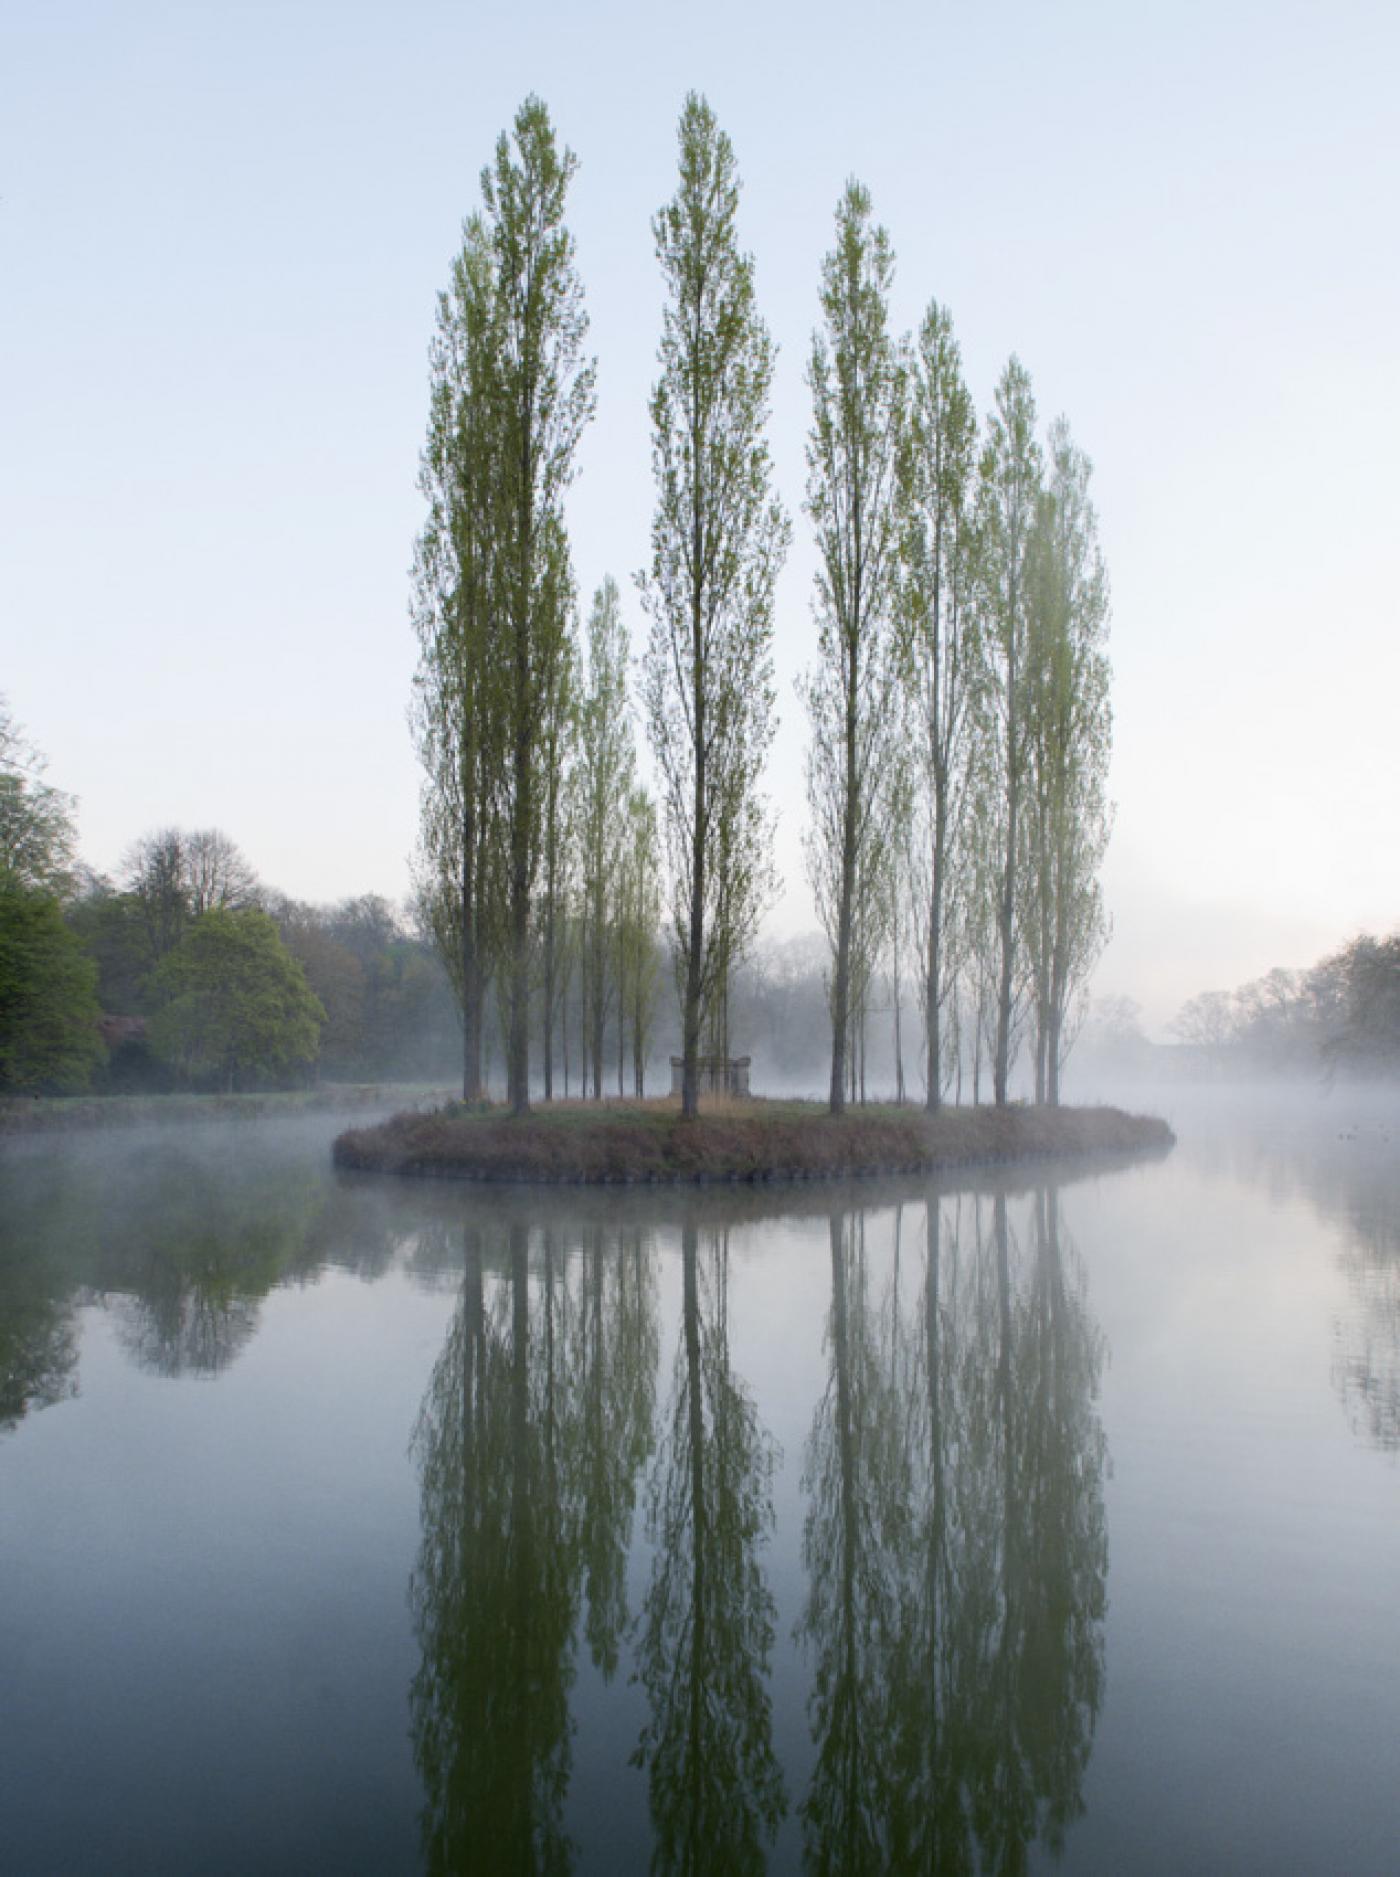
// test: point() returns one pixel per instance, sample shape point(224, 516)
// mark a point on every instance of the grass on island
point(640, 1142)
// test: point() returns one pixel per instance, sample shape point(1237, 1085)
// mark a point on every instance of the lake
point(1049, 1517)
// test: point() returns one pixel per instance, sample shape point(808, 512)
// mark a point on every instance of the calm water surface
point(1047, 1519)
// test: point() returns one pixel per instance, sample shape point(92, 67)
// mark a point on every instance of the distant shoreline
point(623, 1143)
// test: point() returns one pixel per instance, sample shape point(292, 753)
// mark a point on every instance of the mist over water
point(1046, 1517)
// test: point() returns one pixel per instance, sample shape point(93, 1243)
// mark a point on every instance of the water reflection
point(38, 1343)
point(956, 1548)
point(530, 1442)
point(854, 1547)
point(1337, 1150)
point(706, 1633)
point(178, 1238)
point(1366, 1362)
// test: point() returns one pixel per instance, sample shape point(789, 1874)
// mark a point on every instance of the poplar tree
point(718, 539)
point(545, 397)
point(856, 375)
point(456, 713)
point(606, 764)
point(938, 649)
point(1069, 733)
point(1008, 496)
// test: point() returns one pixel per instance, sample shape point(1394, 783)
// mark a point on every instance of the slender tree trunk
point(471, 988)
point(1006, 911)
point(598, 1006)
point(518, 1042)
point(690, 1034)
point(549, 994)
point(934, 965)
point(841, 986)
point(898, 1042)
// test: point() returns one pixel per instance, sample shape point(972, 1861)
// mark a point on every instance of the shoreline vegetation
point(638, 1143)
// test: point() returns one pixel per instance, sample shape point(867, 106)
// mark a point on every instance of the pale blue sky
point(221, 233)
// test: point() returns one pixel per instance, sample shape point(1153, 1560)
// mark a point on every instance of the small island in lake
point(647, 1142)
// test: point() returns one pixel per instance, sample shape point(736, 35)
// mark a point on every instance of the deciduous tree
point(939, 651)
point(545, 388)
point(857, 379)
point(235, 1003)
point(719, 536)
point(1069, 735)
point(1008, 495)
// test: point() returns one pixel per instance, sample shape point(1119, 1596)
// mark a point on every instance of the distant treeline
point(1340, 1015)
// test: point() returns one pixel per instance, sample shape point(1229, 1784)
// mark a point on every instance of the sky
point(222, 230)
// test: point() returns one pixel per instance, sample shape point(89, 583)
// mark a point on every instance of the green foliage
point(939, 654)
point(48, 997)
point(114, 936)
point(718, 539)
point(606, 761)
point(493, 588)
point(1069, 737)
point(38, 842)
point(857, 376)
point(1008, 499)
point(235, 1004)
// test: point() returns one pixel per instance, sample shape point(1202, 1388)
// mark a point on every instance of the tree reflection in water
point(187, 1261)
point(530, 1442)
point(616, 1345)
point(706, 1633)
point(1366, 1359)
point(956, 1550)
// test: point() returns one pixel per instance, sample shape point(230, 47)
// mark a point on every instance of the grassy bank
point(57, 1113)
point(639, 1143)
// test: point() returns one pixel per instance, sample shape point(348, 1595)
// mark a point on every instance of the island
point(648, 1143)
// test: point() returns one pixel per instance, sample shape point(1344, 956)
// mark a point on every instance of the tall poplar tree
point(718, 538)
point(1008, 497)
point(938, 648)
point(456, 712)
point(857, 376)
point(545, 390)
point(606, 765)
point(1069, 740)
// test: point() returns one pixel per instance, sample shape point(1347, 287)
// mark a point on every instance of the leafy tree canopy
point(235, 1004)
point(49, 1040)
point(37, 839)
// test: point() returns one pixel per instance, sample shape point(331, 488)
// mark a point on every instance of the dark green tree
point(49, 1013)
